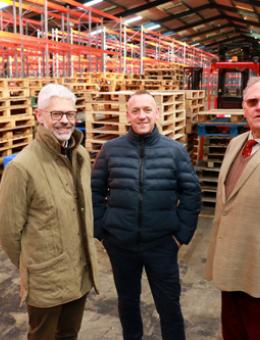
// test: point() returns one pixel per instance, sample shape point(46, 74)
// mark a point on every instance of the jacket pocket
point(46, 265)
point(49, 282)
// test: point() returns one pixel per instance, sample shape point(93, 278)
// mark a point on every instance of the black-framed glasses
point(252, 102)
point(57, 115)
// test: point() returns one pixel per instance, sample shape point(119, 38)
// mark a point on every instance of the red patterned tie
point(248, 148)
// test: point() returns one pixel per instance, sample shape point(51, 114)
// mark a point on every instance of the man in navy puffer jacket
point(146, 199)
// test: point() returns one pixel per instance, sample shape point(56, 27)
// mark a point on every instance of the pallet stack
point(16, 118)
point(215, 129)
point(194, 103)
point(172, 120)
point(170, 76)
point(106, 116)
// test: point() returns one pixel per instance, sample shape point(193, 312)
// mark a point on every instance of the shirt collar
point(252, 137)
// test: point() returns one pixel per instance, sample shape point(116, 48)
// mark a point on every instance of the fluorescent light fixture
point(133, 19)
point(153, 27)
point(3, 5)
point(92, 2)
point(100, 30)
point(169, 33)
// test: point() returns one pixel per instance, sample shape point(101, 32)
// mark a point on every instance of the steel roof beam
point(183, 14)
point(138, 9)
point(196, 23)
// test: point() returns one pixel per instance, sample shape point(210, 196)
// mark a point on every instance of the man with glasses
point(234, 254)
point(46, 219)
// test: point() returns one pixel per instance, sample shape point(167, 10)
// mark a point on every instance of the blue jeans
point(160, 264)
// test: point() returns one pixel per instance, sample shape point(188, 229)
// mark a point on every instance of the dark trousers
point(240, 316)
point(59, 322)
point(160, 263)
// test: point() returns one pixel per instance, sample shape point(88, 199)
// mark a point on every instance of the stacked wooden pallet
point(194, 103)
point(16, 119)
point(35, 84)
point(106, 116)
point(215, 129)
point(172, 72)
point(172, 121)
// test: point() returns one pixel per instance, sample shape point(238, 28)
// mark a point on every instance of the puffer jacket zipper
point(141, 189)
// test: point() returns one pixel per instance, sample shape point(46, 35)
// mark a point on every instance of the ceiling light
point(168, 33)
point(153, 27)
point(3, 5)
point(133, 19)
point(92, 2)
point(100, 30)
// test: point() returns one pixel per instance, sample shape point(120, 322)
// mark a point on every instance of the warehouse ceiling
point(219, 26)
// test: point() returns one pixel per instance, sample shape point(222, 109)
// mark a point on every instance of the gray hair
point(252, 81)
point(54, 90)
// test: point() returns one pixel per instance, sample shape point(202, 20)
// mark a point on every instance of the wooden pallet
point(195, 94)
point(13, 83)
point(235, 115)
point(16, 123)
point(14, 146)
point(111, 128)
point(15, 111)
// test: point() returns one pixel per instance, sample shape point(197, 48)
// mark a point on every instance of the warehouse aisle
point(200, 300)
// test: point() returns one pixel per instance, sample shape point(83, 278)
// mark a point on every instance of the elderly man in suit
point(234, 253)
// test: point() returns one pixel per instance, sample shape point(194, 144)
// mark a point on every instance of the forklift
point(232, 79)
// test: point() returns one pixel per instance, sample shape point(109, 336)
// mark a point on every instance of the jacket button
point(82, 209)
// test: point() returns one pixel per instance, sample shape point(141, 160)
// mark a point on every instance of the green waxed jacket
point(46, 221)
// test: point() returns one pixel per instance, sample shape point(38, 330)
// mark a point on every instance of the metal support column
point(45, 18)
point(124, 51)
point(142, 42)
point(103, 46)
point(15, 31)
point(22, 61)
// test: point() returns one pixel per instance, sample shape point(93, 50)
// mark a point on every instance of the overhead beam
point(139, 9)
point(197, 23)
point(208, 31)
point(226, 40)
point(214, 37)
point(248, 22)
point(231, 9)
point(250, 2)
point(183, 14)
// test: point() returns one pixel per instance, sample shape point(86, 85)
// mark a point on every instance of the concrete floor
point(200, 301)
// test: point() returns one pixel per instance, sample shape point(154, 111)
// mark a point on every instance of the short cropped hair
point(140, 92)
point(252, 81)
point(54, 90)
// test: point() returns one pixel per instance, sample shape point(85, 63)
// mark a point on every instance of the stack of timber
point(215, 129)
point(106, 116)
point(16, 118)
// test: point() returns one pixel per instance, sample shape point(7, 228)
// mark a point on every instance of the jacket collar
point(46, 137)
point(148, 139)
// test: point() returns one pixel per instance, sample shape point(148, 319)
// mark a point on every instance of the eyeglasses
point(252, 102)
point(57, 115)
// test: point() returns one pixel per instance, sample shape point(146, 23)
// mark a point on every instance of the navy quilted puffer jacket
point(144, 189)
